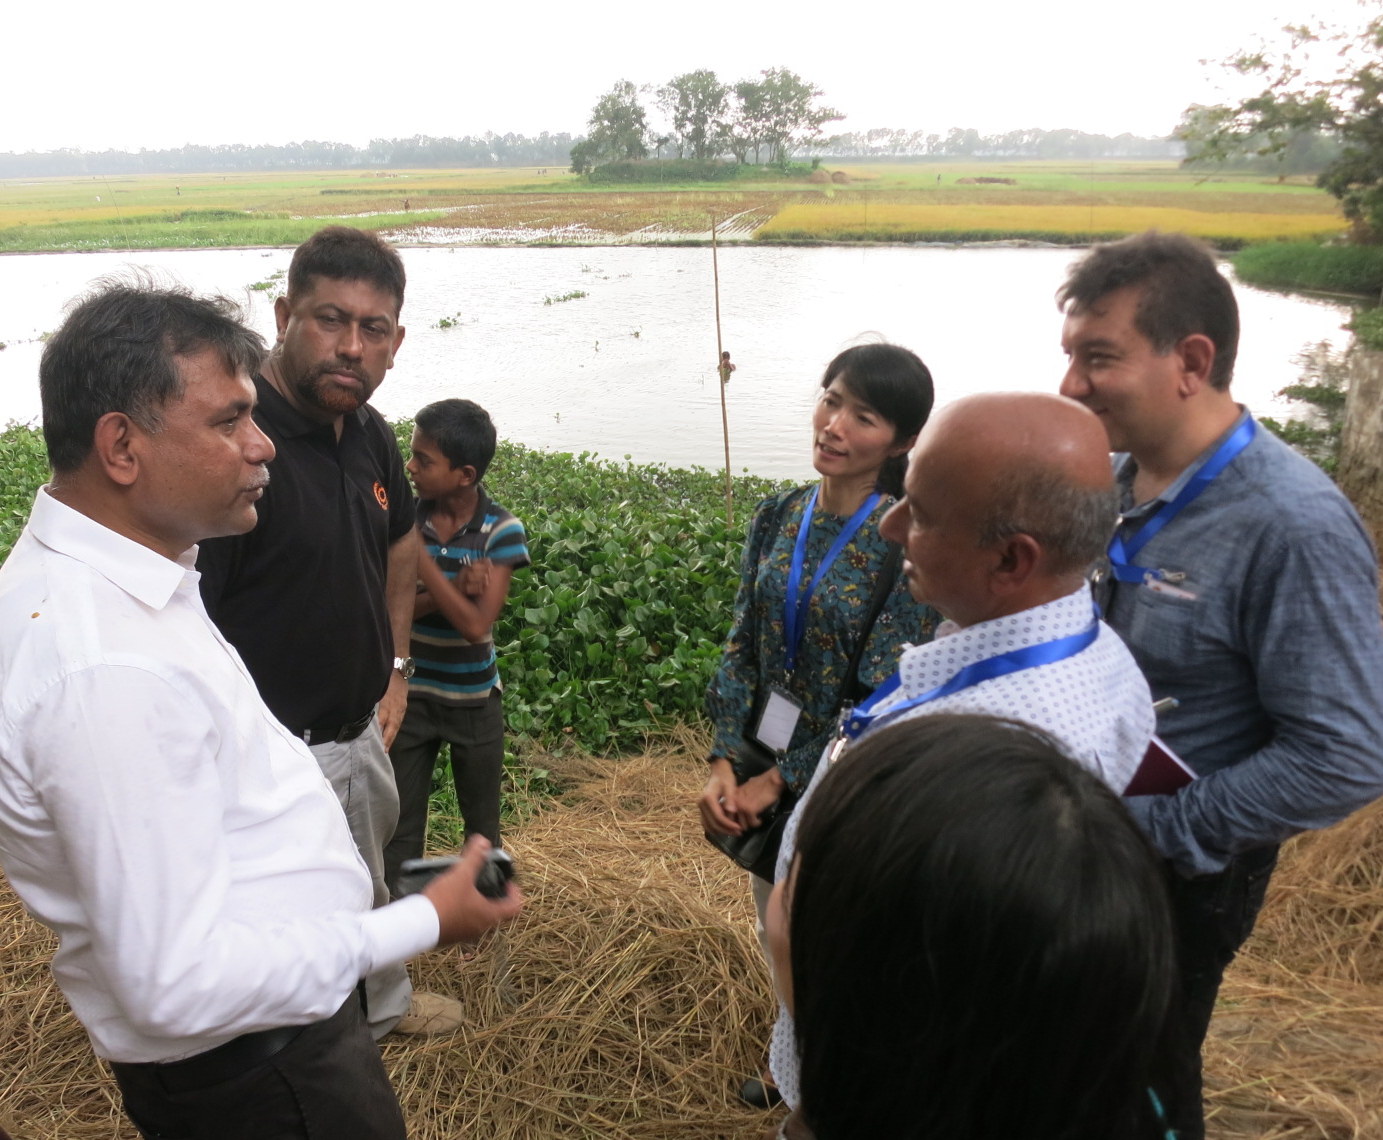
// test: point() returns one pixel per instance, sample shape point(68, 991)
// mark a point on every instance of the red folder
point(1161, 773)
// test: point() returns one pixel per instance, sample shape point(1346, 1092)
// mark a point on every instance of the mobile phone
point(415, 874)
point(492, 880)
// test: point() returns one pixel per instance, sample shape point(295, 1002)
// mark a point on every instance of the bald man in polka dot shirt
point(1009, 501)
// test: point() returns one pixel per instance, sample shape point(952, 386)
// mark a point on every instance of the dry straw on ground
point(630, 998)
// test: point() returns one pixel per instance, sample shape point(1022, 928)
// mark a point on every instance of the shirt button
point(444, 550)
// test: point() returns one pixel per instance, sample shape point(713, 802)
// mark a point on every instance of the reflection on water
point(629, 369)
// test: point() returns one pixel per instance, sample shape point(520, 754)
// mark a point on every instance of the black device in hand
point(492, 881)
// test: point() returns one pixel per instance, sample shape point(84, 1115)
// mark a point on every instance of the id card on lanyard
point(781, 710)
point(778, 720)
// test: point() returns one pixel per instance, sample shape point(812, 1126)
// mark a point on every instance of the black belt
point(336, 733)
point(236, 1056)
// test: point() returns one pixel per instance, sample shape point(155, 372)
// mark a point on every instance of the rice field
point(603, 218)
point(923, 221)
point(845, 202)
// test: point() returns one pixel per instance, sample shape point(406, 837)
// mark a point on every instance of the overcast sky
point(158, 73)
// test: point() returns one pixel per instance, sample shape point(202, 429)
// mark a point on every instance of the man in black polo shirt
point(318, 597)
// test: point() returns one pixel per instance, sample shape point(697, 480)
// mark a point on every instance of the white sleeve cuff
point(400, 931)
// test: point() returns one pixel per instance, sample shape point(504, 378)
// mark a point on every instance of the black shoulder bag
point(756, 850)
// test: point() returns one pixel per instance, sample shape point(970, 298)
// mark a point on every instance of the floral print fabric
point(755, 650)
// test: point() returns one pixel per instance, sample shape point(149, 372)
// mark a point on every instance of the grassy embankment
point(1368, 329)
point(1352, 269)
point(1050, 201)
point(613, 633)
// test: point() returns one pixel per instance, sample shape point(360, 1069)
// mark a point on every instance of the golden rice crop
point(891, 221)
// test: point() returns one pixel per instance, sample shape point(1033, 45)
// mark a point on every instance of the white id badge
point(778, 720)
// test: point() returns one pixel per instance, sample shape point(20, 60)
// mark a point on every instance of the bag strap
point(883, 586)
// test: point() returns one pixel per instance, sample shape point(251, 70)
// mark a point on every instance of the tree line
point(769, 119)
point(555, 150)
point(695, 115)
point(886, 142)
point(758, 120)
point(424, 151)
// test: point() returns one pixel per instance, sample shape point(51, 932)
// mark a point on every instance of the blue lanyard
point(1121, 554)
point(1002, 665)
point(796, 602)
point(1167, 1131)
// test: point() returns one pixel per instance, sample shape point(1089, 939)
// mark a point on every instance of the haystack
point(630, 998)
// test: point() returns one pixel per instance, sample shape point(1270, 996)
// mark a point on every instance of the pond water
point(629, 369)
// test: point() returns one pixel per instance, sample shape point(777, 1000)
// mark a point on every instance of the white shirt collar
point(924, 667)
point(144, 574)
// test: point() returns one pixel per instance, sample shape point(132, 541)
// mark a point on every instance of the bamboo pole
point(724, 374)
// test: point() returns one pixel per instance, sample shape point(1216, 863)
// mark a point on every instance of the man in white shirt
point(1009, 501)
point(213, 913)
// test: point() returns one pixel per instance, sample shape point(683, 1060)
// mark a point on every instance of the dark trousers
point(1213, 916)
point(476, 737)
point(327, 1081)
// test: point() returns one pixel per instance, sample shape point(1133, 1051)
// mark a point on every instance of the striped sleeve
point(507, 543)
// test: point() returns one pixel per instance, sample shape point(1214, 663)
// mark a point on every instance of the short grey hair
point(1071, 522)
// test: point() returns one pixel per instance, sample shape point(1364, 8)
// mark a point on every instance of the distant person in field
point(213, 914)
point(470, 548)
point(725, 367)
point(1246, 588)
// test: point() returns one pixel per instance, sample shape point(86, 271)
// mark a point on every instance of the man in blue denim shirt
point(1255, 606)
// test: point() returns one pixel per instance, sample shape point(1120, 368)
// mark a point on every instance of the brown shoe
point(429, 1015)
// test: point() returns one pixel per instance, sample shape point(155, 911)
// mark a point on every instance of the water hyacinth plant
point(24, 461)
point(614, 631)
point(616, 628)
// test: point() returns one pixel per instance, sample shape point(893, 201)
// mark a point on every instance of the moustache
point(338, 366)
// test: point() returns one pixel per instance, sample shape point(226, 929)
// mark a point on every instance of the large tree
point(777, 114)
point(619, 129)
point(1301, 96)
point(696, 104)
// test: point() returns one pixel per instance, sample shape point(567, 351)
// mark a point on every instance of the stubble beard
point(315, 390)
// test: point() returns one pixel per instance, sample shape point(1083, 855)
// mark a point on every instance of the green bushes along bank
point(616, 628)
point(1368, 329)
point(1306, 265)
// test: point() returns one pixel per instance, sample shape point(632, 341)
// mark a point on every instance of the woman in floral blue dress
point(874, 400)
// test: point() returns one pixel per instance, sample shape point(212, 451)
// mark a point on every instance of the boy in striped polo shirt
point(470, 549)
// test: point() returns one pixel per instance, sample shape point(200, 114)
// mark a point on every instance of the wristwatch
point(405, 667)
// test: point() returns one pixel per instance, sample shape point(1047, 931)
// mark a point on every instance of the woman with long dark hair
point(975, 941)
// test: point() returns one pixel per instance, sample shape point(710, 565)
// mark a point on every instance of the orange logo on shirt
point(381, 496)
